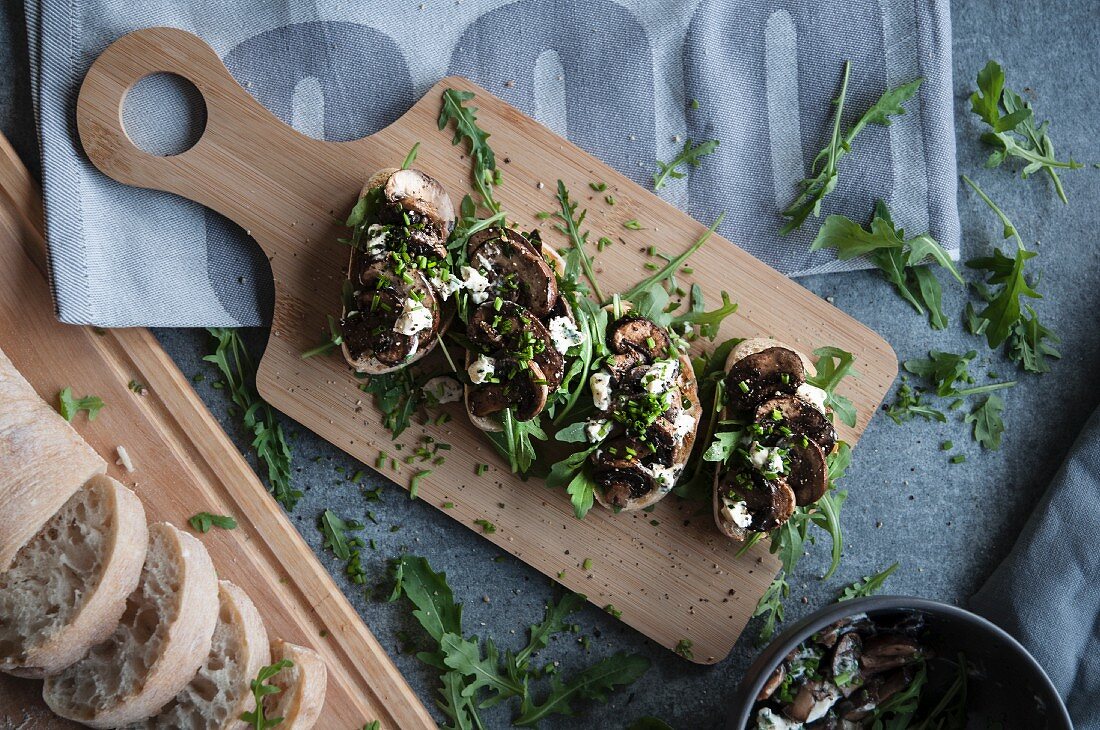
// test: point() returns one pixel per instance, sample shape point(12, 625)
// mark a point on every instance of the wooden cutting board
point(669, 572)
point(184, 463)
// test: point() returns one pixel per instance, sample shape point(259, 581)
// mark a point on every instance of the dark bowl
point(1011, 687)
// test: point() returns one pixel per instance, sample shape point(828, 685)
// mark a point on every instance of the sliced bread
point(162, 640)
point(68, 586)
point(220, 692)
point(43, 461)
point(301, 686)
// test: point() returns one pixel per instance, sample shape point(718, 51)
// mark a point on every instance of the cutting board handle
point(231, 163)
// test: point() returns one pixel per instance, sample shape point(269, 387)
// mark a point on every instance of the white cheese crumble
point(446, 288)
point(476, 284)
point(600, 383)
point(682, 426)
point(124, 459)
point(564, 333)
point(660, 376)
point(768, 720)
point(737, 512)
point(766, 460)
point(414, 318)
point(826, 697)
point(813, 395)
point(481, 369)
point(665, 476)
point(376, 244)
point(444, 389)
point(597, 429)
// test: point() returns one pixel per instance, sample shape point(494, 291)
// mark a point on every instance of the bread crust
point(185, 645)
point(104, 603)
point(300, 702)
point(43, 461)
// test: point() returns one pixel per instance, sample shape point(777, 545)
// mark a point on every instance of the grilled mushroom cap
point(773, 682)
point(799, 416)
point(370, 341)
point(763, 375)
point(523, 388)
point(514, 329)
point(618, 470)
point(421, 196)
point(889, 651)
point(516, 270)
point(808, 475)
point(770, 501)
point(846, 662)
point(637, 335)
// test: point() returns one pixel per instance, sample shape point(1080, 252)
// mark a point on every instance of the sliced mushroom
point(800, 417)
point(889, 651)
point(369, 340)
point(773, 682)
point(637, 335)
point(516, 331)
point(808, 474)
point(769, 501)
point(763, 375)
point(813, 701)
point(517, 273)
point(422, 196)
point(867, 699)
point(523, 388)
point(619, 472)
point(846, 663)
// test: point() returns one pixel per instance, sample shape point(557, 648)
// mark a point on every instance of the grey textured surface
point(949, 525)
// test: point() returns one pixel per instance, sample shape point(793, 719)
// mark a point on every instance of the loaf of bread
point(158, 646)
point(301, 687)
point(67, 588)
point(43, 461)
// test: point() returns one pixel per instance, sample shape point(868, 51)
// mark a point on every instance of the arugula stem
point(830, 166)
point(446, 353)
point(984, 388)
point(575, 238)
point(1009, 229)
point(671, 267)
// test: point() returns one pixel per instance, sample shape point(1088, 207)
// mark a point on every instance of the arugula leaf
point(572, 473)
point(485, 173)
point(513, 441)
point(1028, 344)
point(269, 441)
point(649, 723)
point(988, 426)
point(461, 710)
point(335, 532)
point(909, 403)
point(899, 259)
point(570, 226)
point(261, 689)
point(690, 155)
point(594, 683)
point(436, 609)
point(336, 338)
point(1014, 134)
point(868, 586)
point(464, 656)
point(397, 395)
point(723, 446)
point(824, 182)
point(944, 369)
point(553, 622)
point(71, 406)
point(770, 606)
point(1003, 311)
point(411, 157)
point(673, 265)
point(203, 521)
point(707, 322)
point(833, 365)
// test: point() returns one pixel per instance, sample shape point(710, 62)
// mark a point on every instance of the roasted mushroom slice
point(813, 701)
point(522, 387)
point(637, 335)
point(845, 663)
point(763, 375)
point(800, 417)
point(620, 473)
point(515, 330)
point(889, 651)
point(394, 320)
point(421, 196)
point(807, 473)
point(773, 683)
point(747, 501)
point(516, 271)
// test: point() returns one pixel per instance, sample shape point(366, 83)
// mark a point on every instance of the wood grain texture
point(675, 578)
point(184, 464)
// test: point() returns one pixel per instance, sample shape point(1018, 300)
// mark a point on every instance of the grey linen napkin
point(617, 78)
point(1047, 592)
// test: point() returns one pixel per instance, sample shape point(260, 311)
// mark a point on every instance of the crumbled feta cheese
point(825, 698)
point(444, 389)
point(414, 318)
point(481, 369)
point(682, 426)
point(375, 245)
point(665, 476)
point(445, 288)
point(768, 720)
point(738, 513)
point(660, 376)
point(597, 429)
point(124, 459)
point(766, 460)
point(600, 383)
point(813, 395)
point(476, 284)
point(564, 333)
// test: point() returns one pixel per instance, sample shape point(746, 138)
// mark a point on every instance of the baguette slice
point(43, 461)
point(301, 687)
point(68, 586)
point(162, 640)
point(220, 692)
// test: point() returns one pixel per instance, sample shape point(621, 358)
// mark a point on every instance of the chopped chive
point(448, 505)
point(650, 266)
point(609, 199)
point(414, 484)
point(946, 446)
point(542, 215)
point(633, 225)
point(599, 187)
point(613, 611)
point(587, 564)
point(481, 469)
point(743, 386)
point(487, 527)
point(651, 251)
point(958, 458)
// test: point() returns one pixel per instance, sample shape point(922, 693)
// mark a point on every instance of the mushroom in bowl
point(398, 279)
point(778, 434)
point(647, 404)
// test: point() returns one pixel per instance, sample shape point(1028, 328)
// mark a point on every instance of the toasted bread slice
point(68, 586)
point(301, 687)
point(220, 691)
point(158, 646)
point(43, 461)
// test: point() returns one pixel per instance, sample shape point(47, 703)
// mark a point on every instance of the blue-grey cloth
point(1047, 592)
point(626, 80)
